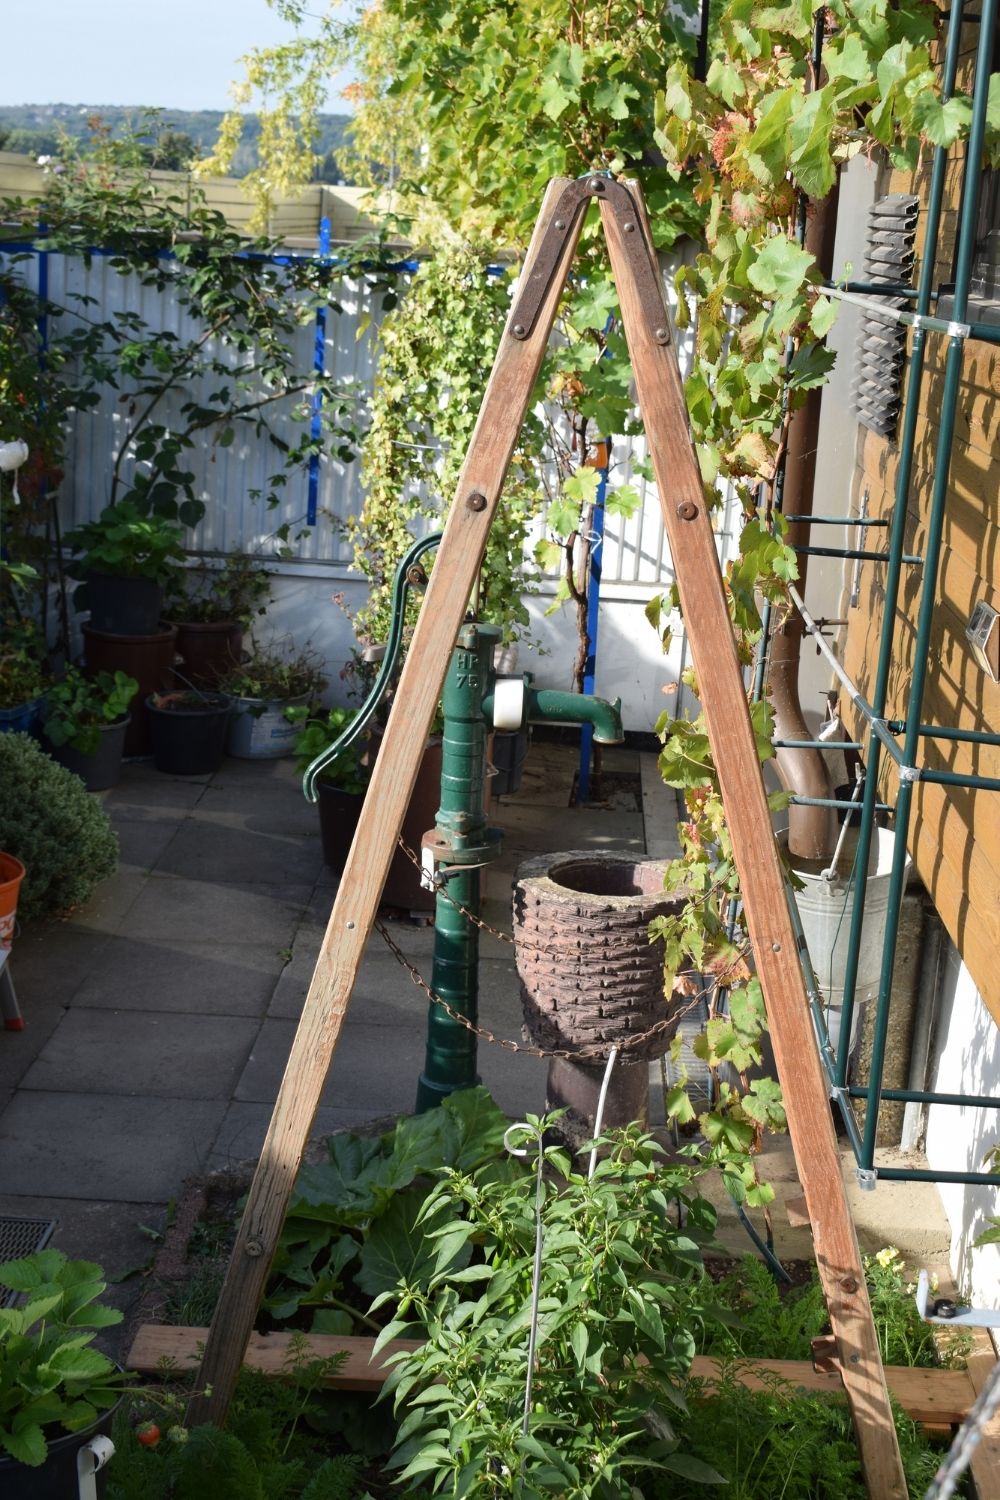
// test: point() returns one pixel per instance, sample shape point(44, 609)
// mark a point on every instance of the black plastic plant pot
point(124, 606)
point(339, 812)
point(188, 732)
point(102, 768)
point(57, 1478)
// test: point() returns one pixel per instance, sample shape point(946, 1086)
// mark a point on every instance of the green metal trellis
point(883, 734)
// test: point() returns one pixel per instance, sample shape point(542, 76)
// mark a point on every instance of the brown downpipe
point(812, 831)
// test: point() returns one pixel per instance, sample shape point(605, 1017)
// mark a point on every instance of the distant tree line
point(171, 139)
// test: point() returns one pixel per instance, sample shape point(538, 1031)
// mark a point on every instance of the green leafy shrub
point(23, 671)
point(58, 831)
point(127, 543)
point(238, 590)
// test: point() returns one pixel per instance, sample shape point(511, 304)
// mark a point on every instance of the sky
point(171, 54)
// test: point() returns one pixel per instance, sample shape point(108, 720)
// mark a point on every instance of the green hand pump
point(474, 701)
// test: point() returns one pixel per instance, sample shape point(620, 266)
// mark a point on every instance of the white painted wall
point(966, 1059)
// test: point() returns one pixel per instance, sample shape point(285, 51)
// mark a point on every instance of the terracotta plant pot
point(209, 651)
point(147, 658)
point(339, 812)
point(12, 872)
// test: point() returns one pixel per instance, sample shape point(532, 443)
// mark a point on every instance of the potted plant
point(341, 785)
point(56, 1392)
point(24, 675)
point(85, 723)
point(211, 612)
point(127, 558)
point(188, 730)
point(262, 689)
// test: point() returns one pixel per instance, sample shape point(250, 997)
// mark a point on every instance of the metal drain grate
point(21, 1237)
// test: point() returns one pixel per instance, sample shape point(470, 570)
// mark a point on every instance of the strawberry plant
point(50, 1377)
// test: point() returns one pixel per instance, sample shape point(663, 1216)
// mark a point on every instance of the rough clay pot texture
point(590, 977)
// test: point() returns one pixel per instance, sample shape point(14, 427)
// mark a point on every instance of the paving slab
point(207, 850)
point(145, 789)
point(19, 1049)
point(112, 901)
point(104, 1146)
point(201, 911)
point(141, 841)
point(50, 960)
point(143, 1052)
point(189, 978)
point(366, 1075)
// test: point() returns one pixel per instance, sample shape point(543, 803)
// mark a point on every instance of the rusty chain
point(724, 977)
point(576, 1054)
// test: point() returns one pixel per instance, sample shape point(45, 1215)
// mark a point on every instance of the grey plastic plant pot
point(102, 768)
point(258, 729)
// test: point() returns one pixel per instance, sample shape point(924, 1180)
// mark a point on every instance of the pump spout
point(577, 708)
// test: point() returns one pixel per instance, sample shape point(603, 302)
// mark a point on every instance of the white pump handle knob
point(508, 703)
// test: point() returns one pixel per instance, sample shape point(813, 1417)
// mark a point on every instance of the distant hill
point(174, 135)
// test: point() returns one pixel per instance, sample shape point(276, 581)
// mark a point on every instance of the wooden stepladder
point(648, 333)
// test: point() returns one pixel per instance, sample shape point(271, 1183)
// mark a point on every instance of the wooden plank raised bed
point(935, 1397)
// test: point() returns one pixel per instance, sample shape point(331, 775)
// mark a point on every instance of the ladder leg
point(491, 448)
point(724, 702)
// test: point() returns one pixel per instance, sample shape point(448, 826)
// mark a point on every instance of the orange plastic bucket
point(11, 875)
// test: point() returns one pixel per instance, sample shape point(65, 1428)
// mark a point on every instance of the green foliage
point(213, 1463)
point(904, 1338)
point(127, 542)
point(355, 1215)
point(24, 672)
point(58, 831)
point(275, 1446)
point(238, 590)
point(168, 138)
point(755, 1318)
point(435, 352)
point(778, 1441)
point(275, 675)
point(49, 1375)
point(614, 1340)
point(347, 769)
point(77, 707)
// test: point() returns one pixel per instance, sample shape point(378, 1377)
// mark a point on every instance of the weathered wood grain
point(935, 1397)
